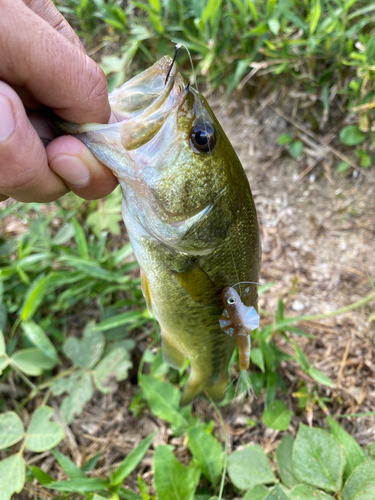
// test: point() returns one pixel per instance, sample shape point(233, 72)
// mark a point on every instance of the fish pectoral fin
point(146, 290)
point(171, 355)
point(198, 285)
point(251, 319)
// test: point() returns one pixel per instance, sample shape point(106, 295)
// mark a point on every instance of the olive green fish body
point(189, 212)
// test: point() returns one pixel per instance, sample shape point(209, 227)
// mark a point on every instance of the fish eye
point(203, 137)
point(231, 301)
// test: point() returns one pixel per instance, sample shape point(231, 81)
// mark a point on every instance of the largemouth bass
point(189, 213)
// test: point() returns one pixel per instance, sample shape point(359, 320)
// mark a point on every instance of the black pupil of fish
point(231, 300)
point(203, 137)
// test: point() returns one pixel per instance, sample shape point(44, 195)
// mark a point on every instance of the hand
point(43, 63)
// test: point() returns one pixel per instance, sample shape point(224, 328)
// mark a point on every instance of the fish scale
point(189, 212)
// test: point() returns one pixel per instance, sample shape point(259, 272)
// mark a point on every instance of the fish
point(239, 321)
point(189, 213)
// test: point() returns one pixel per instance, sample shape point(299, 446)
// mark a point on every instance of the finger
point(69, 158)
point(59, 75)
point(47, 11)
point(24, 172)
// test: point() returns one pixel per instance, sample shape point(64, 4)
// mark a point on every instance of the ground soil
point(318, 238)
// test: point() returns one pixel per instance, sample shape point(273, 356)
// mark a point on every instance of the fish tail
point(217, 389)
point(244, 346)
point(193, 387)
point(196, 384)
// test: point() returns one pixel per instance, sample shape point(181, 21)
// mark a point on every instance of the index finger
point(57, 73)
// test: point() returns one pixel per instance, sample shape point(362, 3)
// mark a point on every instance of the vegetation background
point(89, 410)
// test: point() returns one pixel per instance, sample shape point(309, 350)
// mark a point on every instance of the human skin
point(43, 64)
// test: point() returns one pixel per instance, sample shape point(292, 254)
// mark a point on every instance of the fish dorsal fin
point(251, 319)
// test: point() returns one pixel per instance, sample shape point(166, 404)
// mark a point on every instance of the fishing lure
point(238, 321)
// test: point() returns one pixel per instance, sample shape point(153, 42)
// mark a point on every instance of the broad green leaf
point(35, 334)
point(40, 475)
point(276, 493)
point(342, 167)
point(274, 25)
point(132, 460)
point(361, 483)
point(34, 296)
point(11, 429)
point(60, 385)
point(369, 451)
point(108, 214)
point(69, 467)
point(284, 462)
point(87, 351)
point(32, 361)
point(284, 139)
point(43, 434)
point(259, 492)
point(354, 454)
point(164, 400)
point(80, 390)
point(352, 135)
point(277, 416)
point(4, 362)
point(249, 467)
point(295, 149)
point(306, 492)
point(112, 367)
point(86, 485)
point(173, 481)
point(208, 453)
point(256, 357)
point(319, 376)
point(318, 459)
point(12, 475)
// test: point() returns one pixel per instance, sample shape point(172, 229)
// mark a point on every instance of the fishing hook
point(176, 49)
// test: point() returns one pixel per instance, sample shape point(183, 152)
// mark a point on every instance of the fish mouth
point(145, 92)
point(143, 104)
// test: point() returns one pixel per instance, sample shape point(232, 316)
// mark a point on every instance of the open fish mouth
point(144, 103)
point(144, 93)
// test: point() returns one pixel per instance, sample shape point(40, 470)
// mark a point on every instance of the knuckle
point(96, 84)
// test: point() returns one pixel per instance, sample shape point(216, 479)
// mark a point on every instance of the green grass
point(325, 46)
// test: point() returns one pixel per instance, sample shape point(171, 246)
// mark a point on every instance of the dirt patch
point(318, 236)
